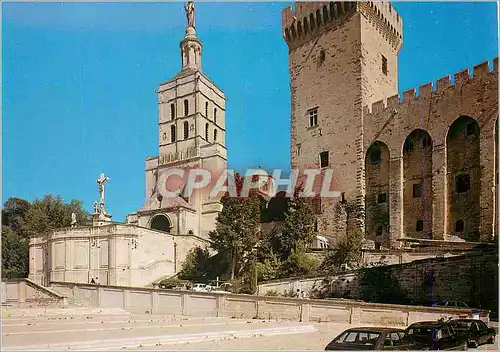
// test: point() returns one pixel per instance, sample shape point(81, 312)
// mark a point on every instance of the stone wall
point(119, 254)
point(432, 138)
point(25, 293)
point(187, 303)
point(472, 279)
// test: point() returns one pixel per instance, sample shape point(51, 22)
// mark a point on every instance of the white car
point(199, 288)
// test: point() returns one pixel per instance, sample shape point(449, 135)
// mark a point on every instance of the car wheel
point(492, 340)
point(473, 344)
point(465, 346)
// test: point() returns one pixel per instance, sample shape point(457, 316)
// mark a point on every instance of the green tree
point(238, 228)
point(15, 256)
point(299, 263)
point(51, 213)
point(349, 251)
point(23, 220)
point(196, 267)
point(268, 267)
point(13, 212)
point(298, 227)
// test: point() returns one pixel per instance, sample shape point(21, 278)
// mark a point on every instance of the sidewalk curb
point(148, 341)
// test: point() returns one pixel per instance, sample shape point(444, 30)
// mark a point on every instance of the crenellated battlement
point(383, 16)
point(428, 90)
point(312, 18)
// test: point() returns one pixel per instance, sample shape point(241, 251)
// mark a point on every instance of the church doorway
point(161, 223)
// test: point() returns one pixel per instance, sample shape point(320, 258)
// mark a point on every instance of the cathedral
point(418, 168)
point(192, 134)
point(154, 241)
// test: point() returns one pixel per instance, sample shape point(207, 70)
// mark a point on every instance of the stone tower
point(342, 56)
point(191, 126)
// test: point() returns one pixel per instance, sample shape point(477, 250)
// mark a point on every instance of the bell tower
point(192, 134)
point(191, 51)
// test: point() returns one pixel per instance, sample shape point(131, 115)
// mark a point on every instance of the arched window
point(311, 18)
point(215, 115)
point(459, 226)
point(172, 133)
point(215, 135)
point(186, 107)
point(161, 223)
point(306, 25)
point(318, 17)
point(172, 111)
point(206, 131)
point(325, 14)
point(186, 130)
point(206, 109)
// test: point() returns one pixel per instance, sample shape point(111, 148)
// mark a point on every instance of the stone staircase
point(26, 294)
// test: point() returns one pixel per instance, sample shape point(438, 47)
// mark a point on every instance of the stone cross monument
point(101, 180)
point(100, 215)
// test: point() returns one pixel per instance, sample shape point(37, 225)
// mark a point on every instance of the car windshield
point(461, 324)
point(421, 334)
point(367, 338)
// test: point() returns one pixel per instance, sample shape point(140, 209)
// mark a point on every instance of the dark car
point(369, 338)
point(434, 335)
point(476, 331)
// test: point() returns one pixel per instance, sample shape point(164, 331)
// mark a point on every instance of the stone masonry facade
point(419, 166)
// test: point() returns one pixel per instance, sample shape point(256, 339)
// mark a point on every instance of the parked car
point(369, 338)
point(199, 287)
point(434, 335)
point(218, 290)
point(451, 304)
point(184, 287)
point(476, 331)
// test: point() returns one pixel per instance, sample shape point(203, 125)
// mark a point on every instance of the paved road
point(94, 329)
point(307, 341)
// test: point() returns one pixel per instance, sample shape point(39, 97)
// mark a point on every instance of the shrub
point(378, 284)
point(299, 263)
point(272, 293)
point(290, 293)
point(172, 282)
point(348, 252)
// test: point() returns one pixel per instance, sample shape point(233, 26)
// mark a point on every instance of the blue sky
point(79, 82)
